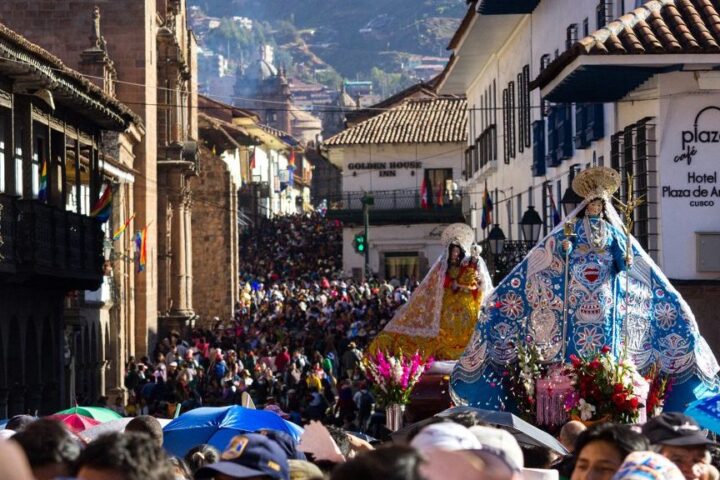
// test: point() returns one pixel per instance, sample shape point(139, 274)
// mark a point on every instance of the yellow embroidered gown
point(455, 296)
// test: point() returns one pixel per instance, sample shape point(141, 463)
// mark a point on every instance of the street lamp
point(531, 224)
point(570, 200)
point(496, 238)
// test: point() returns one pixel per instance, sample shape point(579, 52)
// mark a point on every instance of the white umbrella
point(113, 426)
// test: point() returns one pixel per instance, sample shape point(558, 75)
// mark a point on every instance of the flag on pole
point(440, 196)
point(252, 159)
point(555, 212)
point(291, 160)
point(487, 209)
point(141, 248)
point(118, 233)
point(42, 192)
point(103, 207)
point(424, 194)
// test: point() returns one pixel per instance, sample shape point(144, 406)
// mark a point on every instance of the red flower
point(634, 402)
point(605, 349)
point(595, 364)
point(576, 362)
point(618, 388)
point(619, 399)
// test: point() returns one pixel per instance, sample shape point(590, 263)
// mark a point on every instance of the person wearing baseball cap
point(680, 439)
point(251, 455)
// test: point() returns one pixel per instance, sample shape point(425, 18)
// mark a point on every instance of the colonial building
point(52, 164)
point(557, 86)
point(153, 58)
point(217, 219)
point(409, 159)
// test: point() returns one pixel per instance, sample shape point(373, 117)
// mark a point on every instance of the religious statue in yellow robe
point(439, 318)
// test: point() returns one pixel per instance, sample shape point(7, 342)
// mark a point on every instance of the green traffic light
point(360, 243)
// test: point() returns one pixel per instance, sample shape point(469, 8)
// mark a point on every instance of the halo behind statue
point(596, 182)
point(459, 233)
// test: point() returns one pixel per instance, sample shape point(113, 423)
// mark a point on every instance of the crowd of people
point(296, 340)
point(294, 346)
point(457, 447)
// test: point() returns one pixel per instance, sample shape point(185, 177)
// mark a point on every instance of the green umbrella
point(98, 413)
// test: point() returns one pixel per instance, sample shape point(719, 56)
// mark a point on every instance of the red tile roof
point(657, 27)
point(424, 120)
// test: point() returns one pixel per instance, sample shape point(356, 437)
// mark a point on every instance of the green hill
point(351, 36)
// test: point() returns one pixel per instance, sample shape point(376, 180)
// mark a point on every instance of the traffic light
point(360, 243)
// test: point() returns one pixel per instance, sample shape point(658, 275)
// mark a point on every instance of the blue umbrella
point(706, 412)
point(216, 426)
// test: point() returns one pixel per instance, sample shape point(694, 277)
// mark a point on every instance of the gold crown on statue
point(596, 182)
point(460, 234)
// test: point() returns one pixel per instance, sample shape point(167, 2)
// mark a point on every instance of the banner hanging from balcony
point(42, 193)
point(553, 206)
point(141, 249)
point(291, 169)
point(487, 209)
point(103, 207)
point(424, 195)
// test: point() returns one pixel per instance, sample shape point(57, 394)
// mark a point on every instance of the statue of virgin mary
point(441, 313)
point(583, 287)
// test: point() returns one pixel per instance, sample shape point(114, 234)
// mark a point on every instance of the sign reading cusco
point(695, 177)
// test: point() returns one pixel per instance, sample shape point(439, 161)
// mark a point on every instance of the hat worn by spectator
point(503, 441)
point(648, 466)
point(250, 455)
point(675, 429)
point(304, 470)
point(445, 436)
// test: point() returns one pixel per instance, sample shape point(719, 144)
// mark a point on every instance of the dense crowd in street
point(294, 347)
point(296, 339)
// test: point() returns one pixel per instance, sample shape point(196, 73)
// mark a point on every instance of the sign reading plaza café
point(698, 162)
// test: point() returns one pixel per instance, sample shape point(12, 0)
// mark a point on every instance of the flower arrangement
point(522, 380)
point(660, 387)
point(600, 387)
point(606, 388)
point(395, 376)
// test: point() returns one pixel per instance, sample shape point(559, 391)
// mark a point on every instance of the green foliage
point(329, 78)
point(350, 36)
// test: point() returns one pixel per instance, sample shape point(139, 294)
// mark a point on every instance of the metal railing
point(395, 200)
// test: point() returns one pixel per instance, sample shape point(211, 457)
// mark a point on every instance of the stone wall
point(215, 240)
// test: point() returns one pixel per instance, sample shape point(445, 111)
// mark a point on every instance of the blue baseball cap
point(250, 455)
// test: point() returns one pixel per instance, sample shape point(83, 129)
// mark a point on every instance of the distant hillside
point(351, 36)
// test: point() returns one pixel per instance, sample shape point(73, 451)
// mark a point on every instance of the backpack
point(220, 369)
point(366, 402)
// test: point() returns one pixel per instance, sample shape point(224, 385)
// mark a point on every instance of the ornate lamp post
point(531, 224)
point(496, 238)
point(570, 201)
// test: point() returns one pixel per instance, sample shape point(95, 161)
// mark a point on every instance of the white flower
point(397, 373)
point(586, 410)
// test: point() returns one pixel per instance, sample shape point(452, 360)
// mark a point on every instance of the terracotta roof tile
point(657, 27)
point(424, 120)
point(39, 59)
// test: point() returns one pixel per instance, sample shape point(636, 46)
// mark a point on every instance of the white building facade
point(410, 161)
point(555, 86)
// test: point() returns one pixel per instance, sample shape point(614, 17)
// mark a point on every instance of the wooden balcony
point(48, 246)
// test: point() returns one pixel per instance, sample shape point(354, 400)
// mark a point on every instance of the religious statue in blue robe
point(577, 291)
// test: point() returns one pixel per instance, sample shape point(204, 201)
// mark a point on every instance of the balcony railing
point(39, 241)
point(397, 207)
